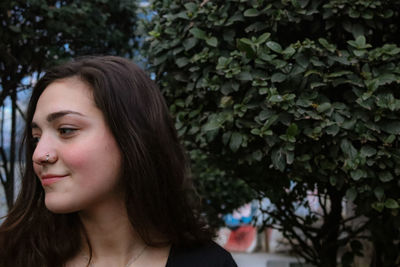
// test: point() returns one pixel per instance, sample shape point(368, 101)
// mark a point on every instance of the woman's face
point(76, 158)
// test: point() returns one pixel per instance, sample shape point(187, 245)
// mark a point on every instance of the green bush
point(293, 97)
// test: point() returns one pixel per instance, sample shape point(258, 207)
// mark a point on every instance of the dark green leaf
point(332, 130)
point(391, 127)
point(199, 34)
point(368, 151)
point(292, 130)
point(14, 28)
point(289, 51)
point(391, 204)
point(385, 176)
point(263, 38)
point(302, 60)
point(324, 107)
point(331, 48)
point(278, 159)
point(379, 206)
point(251, 12)
point(182, 61)
point(274, 46)
point(351, 194)
point(278, 77)
point(245, 76)
point(192, 7)
point(348, 148)
point(226, 137)
point(211, 125)
point(379, 193)
point(357, 174)
point(289, 157)
point(189, 43)
point(212, 41)
point(276, 98)
point(236, 141)
point(257, 155)
point(226, 101)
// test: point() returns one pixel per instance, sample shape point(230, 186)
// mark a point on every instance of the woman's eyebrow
point(56, 115)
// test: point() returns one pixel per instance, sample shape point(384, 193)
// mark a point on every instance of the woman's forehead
point(70, 94)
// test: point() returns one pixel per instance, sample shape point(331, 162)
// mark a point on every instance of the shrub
point(293, 97)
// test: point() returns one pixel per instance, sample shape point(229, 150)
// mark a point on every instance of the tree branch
point(20, 112)
point(322, 204)
point(5, 164)
point(204, 2)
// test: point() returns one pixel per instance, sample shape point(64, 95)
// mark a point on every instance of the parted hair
point(154, 170)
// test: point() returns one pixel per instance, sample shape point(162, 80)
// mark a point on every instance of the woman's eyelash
point(63, 131)
point(35, 140)
point(66, 130)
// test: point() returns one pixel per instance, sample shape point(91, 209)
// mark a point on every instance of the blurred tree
point(301, 100)
point(36, 34)
point(221, 195)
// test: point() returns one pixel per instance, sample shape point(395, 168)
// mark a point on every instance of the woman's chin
point(58, 206)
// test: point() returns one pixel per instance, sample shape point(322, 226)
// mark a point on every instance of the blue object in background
point(241, 216)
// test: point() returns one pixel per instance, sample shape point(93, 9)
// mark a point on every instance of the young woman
point(105, 179)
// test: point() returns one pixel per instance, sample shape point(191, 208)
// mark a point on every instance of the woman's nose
point(44, 152)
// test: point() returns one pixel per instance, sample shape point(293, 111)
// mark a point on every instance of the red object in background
point(243, 239)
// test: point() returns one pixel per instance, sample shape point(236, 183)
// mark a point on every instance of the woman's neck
point(110, 233)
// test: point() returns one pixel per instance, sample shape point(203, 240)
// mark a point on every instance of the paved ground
point(260, 259)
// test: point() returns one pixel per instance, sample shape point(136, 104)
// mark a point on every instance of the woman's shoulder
point(206, 255)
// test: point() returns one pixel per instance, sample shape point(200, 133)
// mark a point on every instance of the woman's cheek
point(78, 158)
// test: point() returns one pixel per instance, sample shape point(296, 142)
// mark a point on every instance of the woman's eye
point(67, 131)
point(35, 140)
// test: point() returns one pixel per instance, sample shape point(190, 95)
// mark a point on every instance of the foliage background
point(292, 97)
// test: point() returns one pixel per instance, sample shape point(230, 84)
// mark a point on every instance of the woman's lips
point(49, 179)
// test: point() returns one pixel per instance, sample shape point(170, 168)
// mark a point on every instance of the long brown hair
point(155, 173)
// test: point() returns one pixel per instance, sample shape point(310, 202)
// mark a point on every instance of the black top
point(211, 255)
